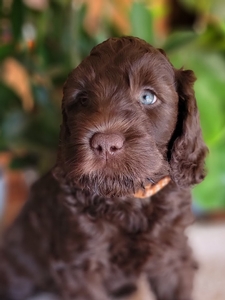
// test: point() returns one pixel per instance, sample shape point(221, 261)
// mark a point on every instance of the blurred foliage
point(42, 40)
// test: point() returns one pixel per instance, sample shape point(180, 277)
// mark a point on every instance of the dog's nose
point(104, 143)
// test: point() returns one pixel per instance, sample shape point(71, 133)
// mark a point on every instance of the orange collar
point(151, 190)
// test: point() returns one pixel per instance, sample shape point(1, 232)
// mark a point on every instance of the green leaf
point(23, 161)
point(142, 22)
point(210, 194)
point(6, 50)
point(8, 101)
point(12, 127)
point(43, 129)
point(17, 18)
point(179, 39)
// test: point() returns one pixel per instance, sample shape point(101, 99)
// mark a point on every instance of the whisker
point(151, 180)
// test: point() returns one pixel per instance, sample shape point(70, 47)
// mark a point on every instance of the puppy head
point(123, 109)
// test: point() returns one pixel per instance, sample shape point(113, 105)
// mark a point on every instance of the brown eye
point(83, 100)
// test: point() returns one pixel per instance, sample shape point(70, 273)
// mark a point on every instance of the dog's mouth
point(111, 186)
point(116, 179)
point(116, 185)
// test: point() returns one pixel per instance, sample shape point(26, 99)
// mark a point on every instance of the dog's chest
point(112, 247)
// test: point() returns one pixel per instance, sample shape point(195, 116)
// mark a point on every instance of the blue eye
point(147, 97)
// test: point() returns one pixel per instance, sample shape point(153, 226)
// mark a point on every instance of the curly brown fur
point(82, 234)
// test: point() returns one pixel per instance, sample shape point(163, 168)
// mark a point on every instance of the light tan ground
point(208, 243)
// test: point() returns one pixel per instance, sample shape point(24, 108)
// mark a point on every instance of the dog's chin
point(114, 184)
point(110, 183)
point(107, 186)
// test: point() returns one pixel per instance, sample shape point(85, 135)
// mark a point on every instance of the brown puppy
point(88, 231)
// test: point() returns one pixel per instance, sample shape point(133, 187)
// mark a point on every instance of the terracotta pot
point(13, 190)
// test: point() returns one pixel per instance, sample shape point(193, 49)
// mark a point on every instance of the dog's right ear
point(187, 149)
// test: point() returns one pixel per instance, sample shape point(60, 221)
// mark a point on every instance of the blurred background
point(42, 40)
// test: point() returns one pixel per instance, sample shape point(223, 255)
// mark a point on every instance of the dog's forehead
point(117, 59)
point(125, 54)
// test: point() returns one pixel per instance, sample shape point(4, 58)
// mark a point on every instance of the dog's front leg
point(175, 282)
point(76, 283)
point(16, 279)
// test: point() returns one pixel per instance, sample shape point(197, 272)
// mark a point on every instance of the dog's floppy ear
point(187, 149)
